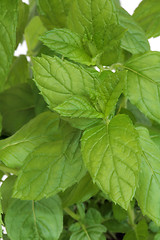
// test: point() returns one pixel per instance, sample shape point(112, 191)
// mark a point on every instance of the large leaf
point(34, 220)
point(15, 149)
point(54, 12)
point(110, 153)
point(8, 24)
point(58, 80)
point(16, 107)
point(148, 17)
point(134, 40)
point(148, 194)
point(67, 43)
point(50, 168)
point(108, 89)
point(80, 192)
point(78, 106)
point(143, 83)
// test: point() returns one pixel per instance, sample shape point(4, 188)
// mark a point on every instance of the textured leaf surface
point(134, 40)
point(143, 83)
point(67, 43)
point(17, 107)
point(15, 149)
point(51, 168)
point(111, 155)
point(77, 106)
point(34, 220)
point(58, 80)
point(141, 232)
point(80, 192)
point(54, 12)
point(148, 194)
point(108, 89)
point(93, 232)
point(148, 17)
point(8, 24)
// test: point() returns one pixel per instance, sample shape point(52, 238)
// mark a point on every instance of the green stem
point(72, 214)
point(131, 216)
point(8, 170)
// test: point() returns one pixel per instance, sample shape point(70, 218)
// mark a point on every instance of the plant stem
point(8, 170)
point(72, 214)
point(131, 216)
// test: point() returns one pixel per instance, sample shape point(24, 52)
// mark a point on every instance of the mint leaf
point(147, 15)
point(54, 12)
point(108, 89)
point(93, 232)
point(80, 192)
point(41, 220)
point(110, 153)
point(15, 149)
point(17, 107)
point(134, 39)
point(149, 179)
point(8, 24)
point(59, 167)
point(59, 80)
point(140, 233)
point(67, 43)
point(78, 106)
point(143, 85)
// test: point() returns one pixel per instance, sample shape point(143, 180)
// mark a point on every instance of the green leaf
point(110, 153)
point(19, 72)
point(34, 220)
point(147, 193)
point(93, 232)
point(143, 84)
point(78, 106)
point(59, 80)
point(16, 107)
point(6, 190)
point(67, 43)
point(108, 89)
point(8, 24)
point(147, 16)
point(134, 40)
point(33, 31)
point(0, 124)
point(80, 192)
point(23, 13)
point(54, 12)
point(141, 232)
point(116, 226)
point(1, 222)
point(59, 167)
point(93, 216)
point(15, 149)
point(119, 213)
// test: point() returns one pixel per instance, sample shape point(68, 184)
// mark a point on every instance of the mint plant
point(79, 121)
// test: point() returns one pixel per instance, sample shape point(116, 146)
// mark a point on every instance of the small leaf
point(67, 43)
point(93, 216)
point(119, 213)
point(140, 233)
point(8, 24)
point(147, 16)
point(34, 220)
point(80, 192)
point(17, 107)
point(78, 106)
point(110, 153)
point(147, 193)
point(59, 167)
point(59, 80)
point(93, 232)
point(143, 84)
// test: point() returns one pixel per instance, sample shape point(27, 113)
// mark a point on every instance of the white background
point(129, 5)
